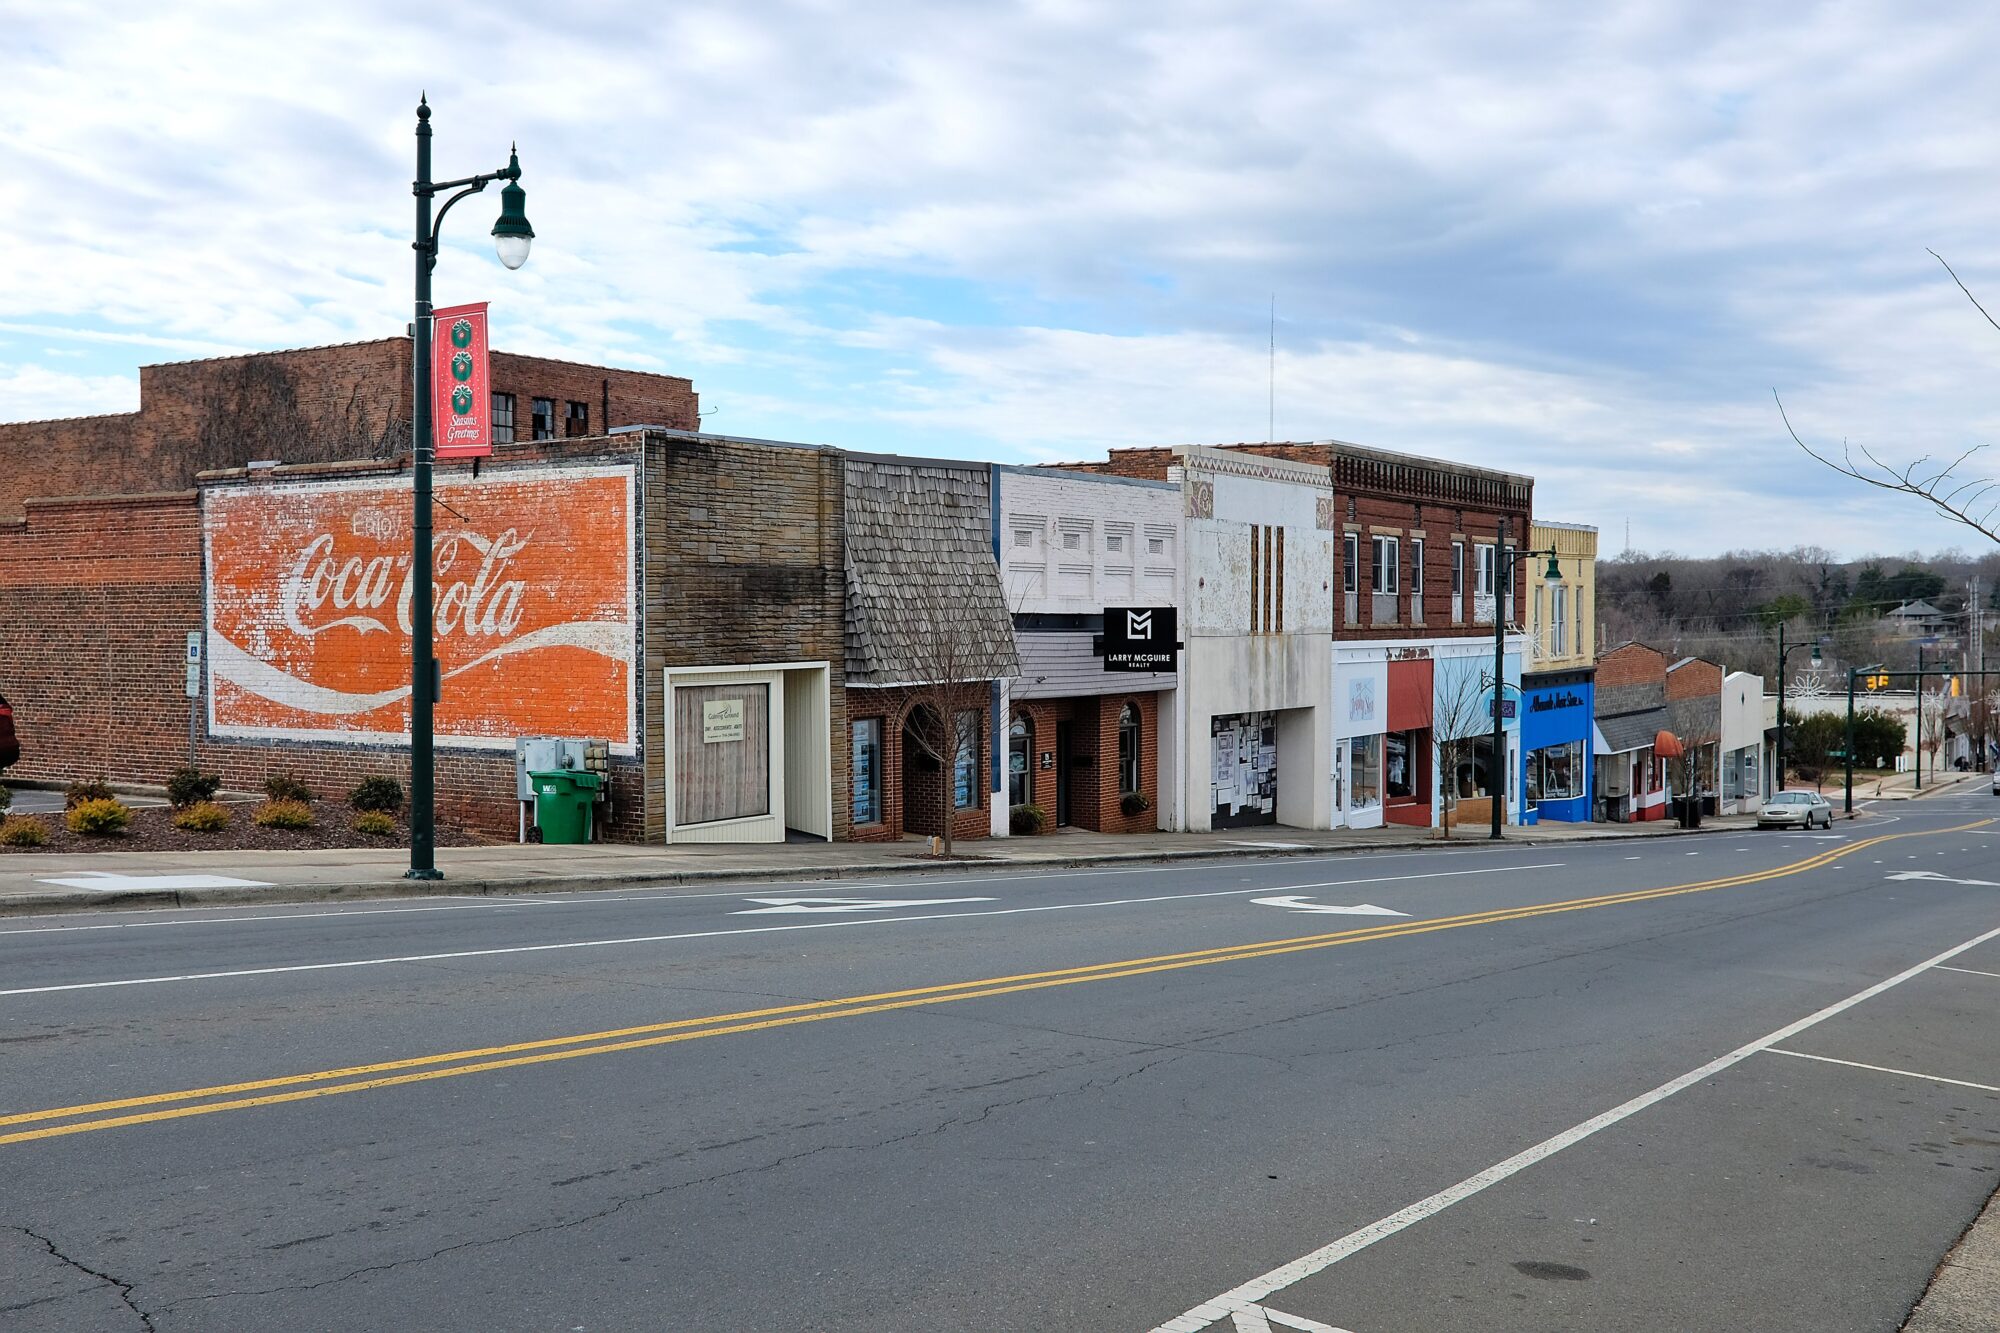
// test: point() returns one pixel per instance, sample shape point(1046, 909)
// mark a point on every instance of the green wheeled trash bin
point(563, 801)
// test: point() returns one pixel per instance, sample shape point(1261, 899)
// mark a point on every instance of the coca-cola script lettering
point(310, 588)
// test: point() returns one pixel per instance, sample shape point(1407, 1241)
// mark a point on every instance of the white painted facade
point(1741, 746)
point(1252, 725)
point(1070, 544)
point(1360, 718)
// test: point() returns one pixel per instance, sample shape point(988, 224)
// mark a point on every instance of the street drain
point(1548, 1272)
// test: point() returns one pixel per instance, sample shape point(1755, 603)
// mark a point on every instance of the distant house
point(1918, 619)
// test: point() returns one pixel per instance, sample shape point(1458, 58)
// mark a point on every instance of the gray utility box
point(551, 754)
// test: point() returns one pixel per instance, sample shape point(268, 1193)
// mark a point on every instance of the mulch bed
point(151, 831)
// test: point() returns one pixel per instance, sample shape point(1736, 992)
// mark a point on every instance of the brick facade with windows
point(1401, 498)
point(912, 788)
point(348, 401)
point(1096, 789)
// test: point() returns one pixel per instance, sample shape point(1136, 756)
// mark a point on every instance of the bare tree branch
point(1935, 485)
point(1961, 286)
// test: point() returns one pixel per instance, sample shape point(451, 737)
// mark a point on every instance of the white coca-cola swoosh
point(612, 639)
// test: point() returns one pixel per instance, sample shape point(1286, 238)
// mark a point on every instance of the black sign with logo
point(1140, 638)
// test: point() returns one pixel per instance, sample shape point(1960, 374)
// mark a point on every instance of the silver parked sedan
point(1796, 809)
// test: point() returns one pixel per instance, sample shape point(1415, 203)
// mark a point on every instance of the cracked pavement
point(1096, 1154)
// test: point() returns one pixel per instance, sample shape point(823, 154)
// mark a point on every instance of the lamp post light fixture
point(1847, 756)
point(511, 235)
point(1784, 651)
point(1505, 559)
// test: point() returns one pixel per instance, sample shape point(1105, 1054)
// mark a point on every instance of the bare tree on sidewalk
point(1459, 719)
point(950, 658)
point(928, 629)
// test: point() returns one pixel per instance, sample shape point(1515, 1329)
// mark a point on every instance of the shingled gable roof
point(921, 573)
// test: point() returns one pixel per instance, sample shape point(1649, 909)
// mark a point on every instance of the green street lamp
point(1505, 559)
point(511, 235)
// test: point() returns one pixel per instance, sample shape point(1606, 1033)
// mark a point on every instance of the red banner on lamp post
point(461, 390)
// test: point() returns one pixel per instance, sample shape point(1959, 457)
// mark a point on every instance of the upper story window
point(1482, 578)
point(1559, 620)
point(576, 421)
point(543, 419)
point(1267, 579)
point(1386, 571)
point(503, 418)
point(1350, 563)
point(1458, 569)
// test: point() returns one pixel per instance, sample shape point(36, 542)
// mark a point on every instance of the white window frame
point(1386, 556)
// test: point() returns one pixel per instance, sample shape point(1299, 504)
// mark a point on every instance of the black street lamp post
point(1505, 559)
point(511, 235)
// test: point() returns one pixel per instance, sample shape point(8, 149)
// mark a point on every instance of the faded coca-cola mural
point(309, 592)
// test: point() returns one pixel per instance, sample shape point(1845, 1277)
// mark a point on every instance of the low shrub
point(6, 799)
point(287, 787)
point(202, 817)
point(1135, 803)
point(377, 795)
point(375, 823)
point(22, 831)
point(191, 786)
point(98, 818)
point(1027, 819)
point(283, 814)
point(97, 789)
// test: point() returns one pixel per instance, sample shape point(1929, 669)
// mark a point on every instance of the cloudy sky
point(1583, 241)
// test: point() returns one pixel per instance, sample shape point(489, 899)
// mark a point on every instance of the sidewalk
point(55, 883)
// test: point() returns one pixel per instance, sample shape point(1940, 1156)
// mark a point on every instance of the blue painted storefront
point(1556, 758)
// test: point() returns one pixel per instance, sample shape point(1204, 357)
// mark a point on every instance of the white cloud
point(1569, 239)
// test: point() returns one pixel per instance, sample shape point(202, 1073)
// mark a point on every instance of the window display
point(1364, 771)
point(1400, 764)
point(1556, 772)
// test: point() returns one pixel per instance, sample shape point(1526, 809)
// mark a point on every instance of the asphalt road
point(1715, 1083)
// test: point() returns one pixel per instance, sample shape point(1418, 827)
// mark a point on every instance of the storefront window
point(1128, 748)
point(1364, 771)
point(1557, 771)
point(867, 770)
point(1399, 765)
point(1020, 754)
point(965, 762)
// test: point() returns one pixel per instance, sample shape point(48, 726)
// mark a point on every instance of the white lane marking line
point(1258, 1319)
point(230, 920)
point(1884, 1069)
point(712, 934)
point(1299, 903)
point(1969, 971)
point(104, 881)
point(781, 905)
point(1258, 1288)
point(645, 894)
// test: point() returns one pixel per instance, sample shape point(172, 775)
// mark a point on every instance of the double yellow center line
point(60, 1121)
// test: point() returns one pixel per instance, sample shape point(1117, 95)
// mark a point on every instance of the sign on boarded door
point(309, 590)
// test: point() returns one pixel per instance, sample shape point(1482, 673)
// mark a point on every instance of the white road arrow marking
point(781, 905)
point(1936, 878)
point(1300, 903)
point(104, 881)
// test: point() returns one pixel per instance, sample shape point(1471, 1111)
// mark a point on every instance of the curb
point(286, 894)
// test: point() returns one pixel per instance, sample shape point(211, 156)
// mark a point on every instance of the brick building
point(929, 644)
point(307, 405)
point(1084, 744)
point(1633, 741)
point(677, 595)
